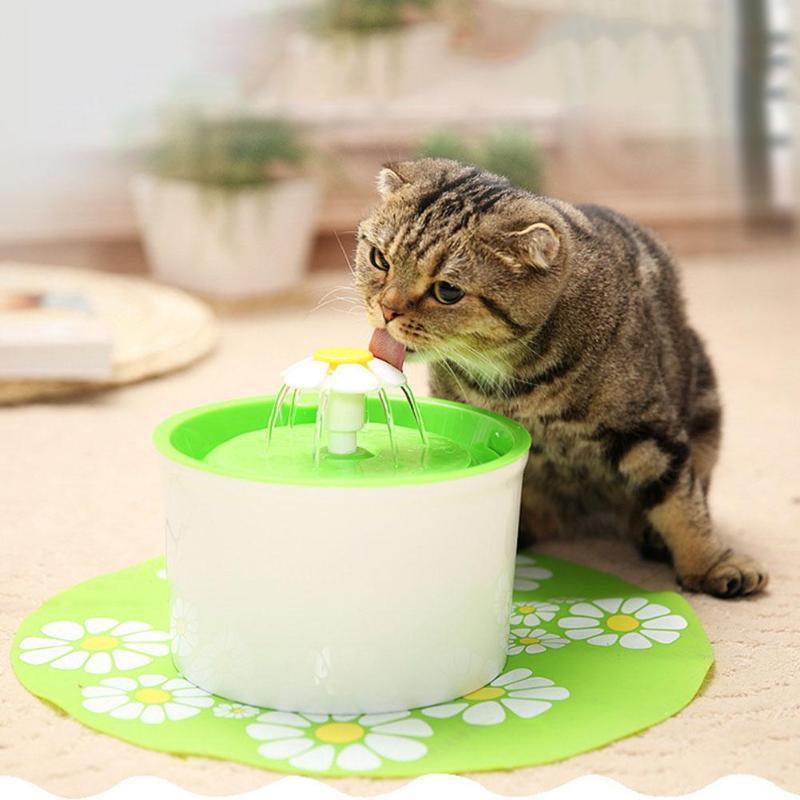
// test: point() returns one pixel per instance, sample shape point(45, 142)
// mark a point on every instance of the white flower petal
point(633, 604)
point(577, 622)
point(514, 650)
point(102, 705)
point(526, 708)
point(356, 757)
point(369, 720)
point(176, 711)
point(97, 625)
point(396, 748)
point(174, 684)
point(124, 659)
point(189, 691)
point(609, 604)
point(150, 649)
point(545, 693)
point(405, 727)
point(525, 585)
point(45, 655)
point(100, 664)
point(74, 660)
point(286, 748)
point(444, 711)
point(285, 718)
point(306, 374)
point(652, 610)
point(488, 713)
point(268, 733)
point(634, 641)
point(673, 622)
point(132, 628)
point(353, 379)
point(316, 760)
point(510, 677)
point(584, 633)
point(540, 573)
point(157, 680)
point(316, 718)
point(69, 631)
point(606, 640)
point(146, 636)
point(586, 610)
point(664, 637)
point(37, 642)
point(532, 649)
point(153, 715)
point(530, 683)
point(386, 373)
point(129, 711)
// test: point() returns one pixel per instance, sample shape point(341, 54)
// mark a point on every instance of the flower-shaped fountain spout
point(343, 376)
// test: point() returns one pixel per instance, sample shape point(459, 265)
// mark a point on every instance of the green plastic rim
point(492, 440)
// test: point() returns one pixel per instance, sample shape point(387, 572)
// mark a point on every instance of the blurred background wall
point(681, 113)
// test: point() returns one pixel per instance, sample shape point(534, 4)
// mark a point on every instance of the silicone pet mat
point(591, 659)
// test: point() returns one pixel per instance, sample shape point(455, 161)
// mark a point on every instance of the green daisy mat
point(591, 659)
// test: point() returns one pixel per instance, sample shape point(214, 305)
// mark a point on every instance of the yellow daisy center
point(100, 643)
point(339, 732)
point(622, 623)
point(238, 712)
point(486, 693)
point(335, 356)
point(526, 609)
point(529, 640)
point(150, 696)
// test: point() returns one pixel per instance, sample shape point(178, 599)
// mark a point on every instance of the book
point(52, 335)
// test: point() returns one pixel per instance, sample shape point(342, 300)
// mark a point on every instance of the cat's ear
point(390, 179)
point(535, 245)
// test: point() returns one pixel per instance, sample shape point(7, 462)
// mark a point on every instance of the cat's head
point(455, 262)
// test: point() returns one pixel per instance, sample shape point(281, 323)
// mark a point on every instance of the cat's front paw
point(734, 576)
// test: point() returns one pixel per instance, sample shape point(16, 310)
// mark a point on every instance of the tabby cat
point(570, 320)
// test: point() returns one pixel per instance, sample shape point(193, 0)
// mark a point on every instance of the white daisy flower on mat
point(234, 711)
point(97, 645)
point(533, 613)
point(183, 627)
point(527, 574)
point(532, 641)
point(517, 691)
point(634, 623)
point(151, 699)
point(315, 742)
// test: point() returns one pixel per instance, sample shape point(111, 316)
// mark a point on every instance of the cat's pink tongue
point(382, 346)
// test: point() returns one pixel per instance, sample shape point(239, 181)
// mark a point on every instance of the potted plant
point(511, 152)
point(222, 207)
point(362, 50)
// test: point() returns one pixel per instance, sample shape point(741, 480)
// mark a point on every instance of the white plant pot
point(337, 599)
point(227, 243)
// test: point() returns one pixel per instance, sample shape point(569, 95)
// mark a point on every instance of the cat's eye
point(378, 259)
point(446, 293)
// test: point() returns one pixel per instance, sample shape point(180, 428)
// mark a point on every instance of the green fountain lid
point(230, 439)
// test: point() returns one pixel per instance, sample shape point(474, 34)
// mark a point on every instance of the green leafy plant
point(233, 152)
point(367, 16)
point(509, 151)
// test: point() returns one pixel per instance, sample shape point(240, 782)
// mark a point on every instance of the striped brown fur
point(572, 322)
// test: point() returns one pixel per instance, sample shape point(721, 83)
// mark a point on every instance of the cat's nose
point(389, 313)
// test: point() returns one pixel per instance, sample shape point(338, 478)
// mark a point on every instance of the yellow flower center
point(100, 643)
point(622, 623)
point(238, 712)
point(335, 356)
point(526, 609)
point(339, 732)
point(150, 696)
point(529, 640)
point(486, 693)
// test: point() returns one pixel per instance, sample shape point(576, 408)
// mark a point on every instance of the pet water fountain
point(341, 547)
